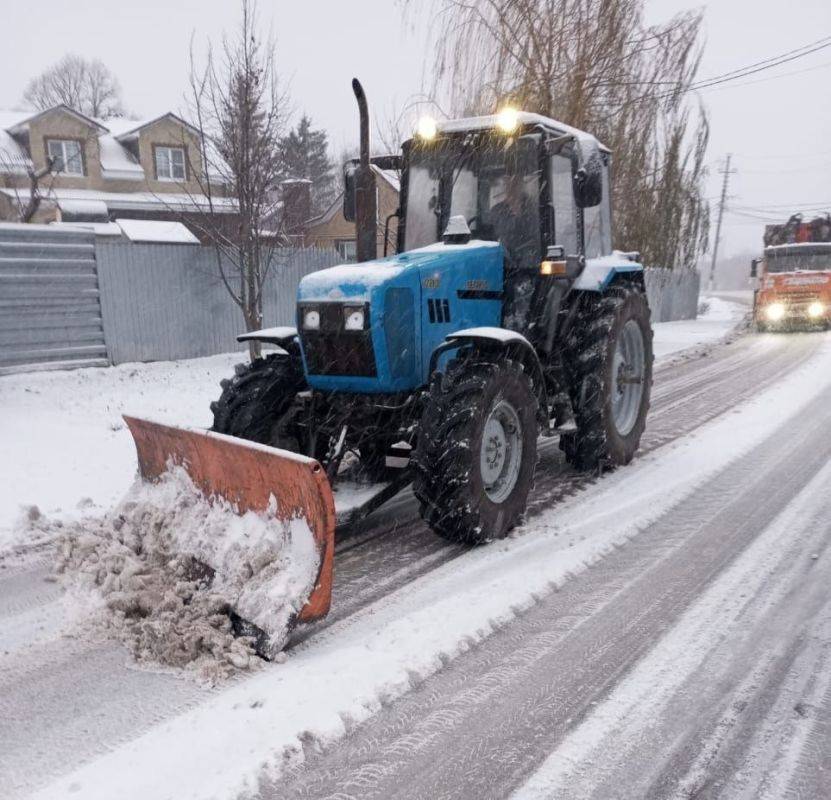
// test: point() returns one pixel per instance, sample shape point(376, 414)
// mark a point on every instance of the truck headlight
point(815, 310)
point(775, 311)
point(353, 318)
point(311, 319)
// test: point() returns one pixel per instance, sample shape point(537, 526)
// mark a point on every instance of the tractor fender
point(600, 273)
point(282, 334)
point(501, 340)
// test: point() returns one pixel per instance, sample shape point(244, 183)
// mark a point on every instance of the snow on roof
point(523, 117)
point(28, 117)
point(116, 161)
point(147, 230)
point(135, 126)
point(136, 201)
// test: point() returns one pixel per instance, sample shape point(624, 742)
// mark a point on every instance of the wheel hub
point(501, 451)
point(628, 369)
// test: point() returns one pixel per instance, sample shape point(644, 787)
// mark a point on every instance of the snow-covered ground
point(345, 672)
point(67, 451)
point(718, 320)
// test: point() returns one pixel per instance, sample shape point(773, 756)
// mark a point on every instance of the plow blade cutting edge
point(252, 477)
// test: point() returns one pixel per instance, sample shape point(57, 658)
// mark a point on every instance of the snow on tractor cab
point(503, 315)
point(793, 278)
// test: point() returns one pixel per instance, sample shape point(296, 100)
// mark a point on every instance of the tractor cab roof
point(525, 119)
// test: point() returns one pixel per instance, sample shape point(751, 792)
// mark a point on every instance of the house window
point(170, 163)
point(66, 156)
point(348, 249)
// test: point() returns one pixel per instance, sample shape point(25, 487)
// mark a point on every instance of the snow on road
point(67, 451)
point(344, 674)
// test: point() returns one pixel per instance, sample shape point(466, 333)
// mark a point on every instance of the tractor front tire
point(609, 363)
point(257, 398)
point(476, 450)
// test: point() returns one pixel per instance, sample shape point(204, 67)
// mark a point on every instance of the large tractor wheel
point(609, 362)
point(477, 449)
point(259, 397)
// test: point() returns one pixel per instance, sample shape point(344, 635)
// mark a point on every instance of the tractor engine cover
point(372, 327)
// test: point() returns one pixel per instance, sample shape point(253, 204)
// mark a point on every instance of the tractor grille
point(332, 350)
point(803, 296)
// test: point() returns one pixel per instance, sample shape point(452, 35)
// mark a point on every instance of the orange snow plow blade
point(249, 475)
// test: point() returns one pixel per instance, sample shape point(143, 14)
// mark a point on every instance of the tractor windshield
point(491, 181)
point(790, 258)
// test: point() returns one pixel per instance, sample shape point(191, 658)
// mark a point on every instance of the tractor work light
point(427, 128)
point(775, 311)
point(353, 318)
point(816, 310)
point(549, 267)
point(311, 319)
point(508, 119)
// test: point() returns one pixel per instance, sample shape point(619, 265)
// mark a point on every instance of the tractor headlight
point(354, 319)
point(508, 119)
point(775, 311)
point(427, 128)
point(816, 310)
point(311, 319)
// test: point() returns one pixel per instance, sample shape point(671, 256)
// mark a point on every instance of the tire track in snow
point(395, 541)
point(478, 728)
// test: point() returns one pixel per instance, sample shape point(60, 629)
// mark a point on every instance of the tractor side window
point(422, 205)
point(597, 224)
point(562, 197)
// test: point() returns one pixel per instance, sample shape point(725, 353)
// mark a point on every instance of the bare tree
point(595, 65)
point(28, 203)
point(240, 108)
point(86, 85)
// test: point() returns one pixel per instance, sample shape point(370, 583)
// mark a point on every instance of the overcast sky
point(779, 129)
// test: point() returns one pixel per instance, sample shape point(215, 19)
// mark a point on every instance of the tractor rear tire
point(476, 451)
point(259, 395)
point(610, 416)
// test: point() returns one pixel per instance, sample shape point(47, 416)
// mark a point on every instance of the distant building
point(331, 230)
point(105, 169)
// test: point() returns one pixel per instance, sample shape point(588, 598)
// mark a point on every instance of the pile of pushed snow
point(168, 568)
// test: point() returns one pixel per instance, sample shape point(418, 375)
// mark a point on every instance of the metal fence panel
point(50, 315)
point(164, 302)
point(673, 295)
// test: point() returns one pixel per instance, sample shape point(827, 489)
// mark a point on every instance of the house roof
point(133, 201)
point(30, 116)
point(132, 128)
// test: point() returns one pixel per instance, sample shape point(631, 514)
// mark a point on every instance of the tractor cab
point(522, 179)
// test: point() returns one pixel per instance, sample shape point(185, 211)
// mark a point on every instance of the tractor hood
point(399, 309)
point(356, 282)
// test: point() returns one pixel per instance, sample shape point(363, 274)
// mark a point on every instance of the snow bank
point(169, 567)
point(718, 321)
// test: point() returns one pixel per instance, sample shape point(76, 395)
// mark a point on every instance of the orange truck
point(793, 278)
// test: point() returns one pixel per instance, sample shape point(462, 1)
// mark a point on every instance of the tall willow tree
point(594, 64)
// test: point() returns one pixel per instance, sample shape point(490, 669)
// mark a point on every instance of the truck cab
point(793, 286)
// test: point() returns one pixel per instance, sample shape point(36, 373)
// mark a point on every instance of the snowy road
point(562, 701)
point(694, 662)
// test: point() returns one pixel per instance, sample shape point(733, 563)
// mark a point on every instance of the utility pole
point(726, 172)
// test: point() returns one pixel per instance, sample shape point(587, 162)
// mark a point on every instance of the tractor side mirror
point(754, 267)
point(350, 170)
point(587, 172)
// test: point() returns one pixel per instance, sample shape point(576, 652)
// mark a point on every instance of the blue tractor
point(503, 315)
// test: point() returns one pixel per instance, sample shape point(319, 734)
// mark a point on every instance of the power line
point(796, 52)
point(769, 78)
point(736, 74)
